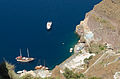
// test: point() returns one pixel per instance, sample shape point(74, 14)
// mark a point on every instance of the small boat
point(71, 49)
point(63, 43)
point(46, 68)
point(19, 72)
point(49, 25)
point(41, 67)
point(38, 67)
point(24, 59)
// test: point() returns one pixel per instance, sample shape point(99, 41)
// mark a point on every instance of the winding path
point(95, 62)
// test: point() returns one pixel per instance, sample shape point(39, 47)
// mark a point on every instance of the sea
point(23, 25)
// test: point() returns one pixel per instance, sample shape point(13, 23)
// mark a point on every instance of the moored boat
point(24, 59)
point(40, 67)
point(71, 49)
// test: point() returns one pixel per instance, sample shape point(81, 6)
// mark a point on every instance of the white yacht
point(49, 25)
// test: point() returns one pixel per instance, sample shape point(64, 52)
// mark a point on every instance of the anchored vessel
point(71, 49)
point(49, 25)
point(24, 59)
point(40, 67)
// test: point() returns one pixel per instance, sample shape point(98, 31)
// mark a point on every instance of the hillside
point(102, 25)
point(104, 22)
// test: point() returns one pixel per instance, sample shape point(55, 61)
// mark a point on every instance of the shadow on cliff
point(7, 71)
point(4, 71)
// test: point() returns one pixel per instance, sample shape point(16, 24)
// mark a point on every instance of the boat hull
point(27, 60)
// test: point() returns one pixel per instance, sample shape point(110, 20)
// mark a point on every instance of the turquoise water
point(23, 25)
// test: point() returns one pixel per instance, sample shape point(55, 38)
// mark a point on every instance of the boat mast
point(20, 53)
point(38, 62)
point(28, 52)
point(44, 62)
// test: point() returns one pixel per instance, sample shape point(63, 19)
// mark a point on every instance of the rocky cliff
point(104, 22)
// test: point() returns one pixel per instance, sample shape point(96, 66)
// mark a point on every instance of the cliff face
point(104, 22)
point(7, 71)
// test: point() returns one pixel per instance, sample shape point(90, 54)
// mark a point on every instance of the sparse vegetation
point(86, 60)
point(71, 75)
point(104, 22)
point(102, 47)
point(80, 51)
point(96, 48)
point(101, 20)
point(94, 78)
point(118, 51)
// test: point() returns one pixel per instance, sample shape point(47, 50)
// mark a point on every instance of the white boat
point(49, 25)
point(19, 72)
point(71, 49)
point(24, 59)
point(46, 68)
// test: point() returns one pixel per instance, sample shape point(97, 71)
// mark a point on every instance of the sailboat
point(41, 67)
point(38, 66)
point(44, 67)
point(24, 59)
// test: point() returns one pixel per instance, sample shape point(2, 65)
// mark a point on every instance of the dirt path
point(96, 61)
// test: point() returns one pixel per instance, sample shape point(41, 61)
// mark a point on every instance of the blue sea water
point(23, 25)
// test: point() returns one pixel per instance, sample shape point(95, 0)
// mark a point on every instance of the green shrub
point(94, 78)
point(71, 75)
point(86, 60)
point(118, 51)
point(102, 47)
point(90, 57)
point(80, 51)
